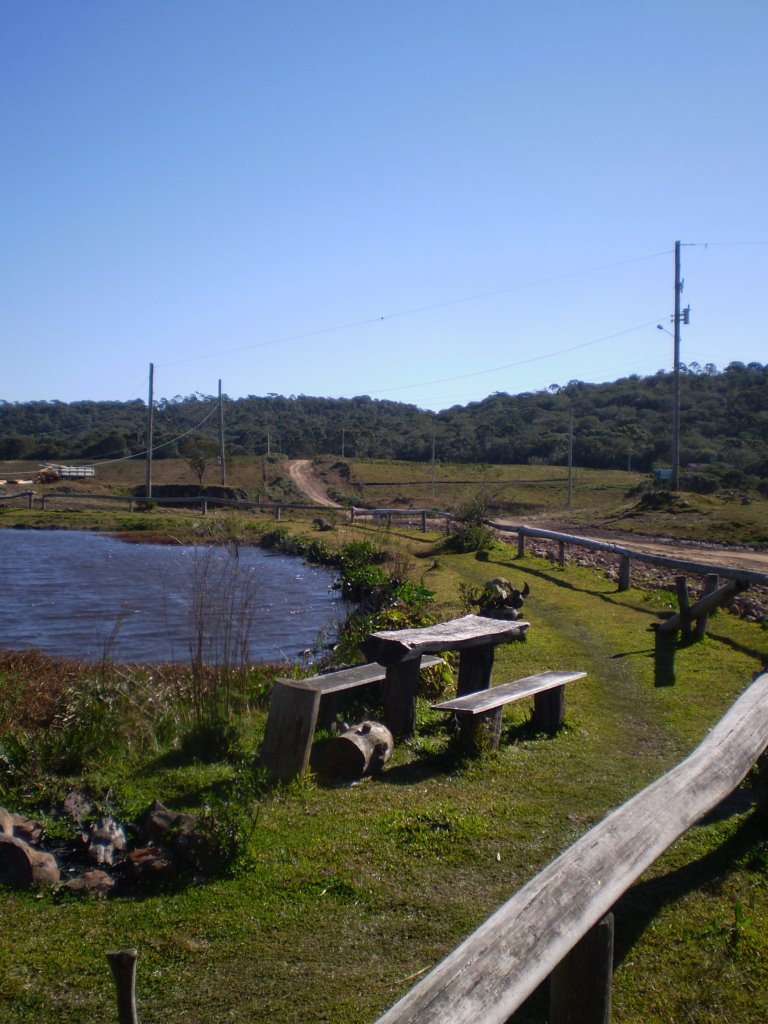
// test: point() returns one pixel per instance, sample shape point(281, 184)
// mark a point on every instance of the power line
point(517, 362)
point(416, 309)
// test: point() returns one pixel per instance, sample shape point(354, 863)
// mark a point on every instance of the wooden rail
point(491, 973)
point(625, 554)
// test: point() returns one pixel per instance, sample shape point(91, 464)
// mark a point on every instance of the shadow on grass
point(643, 902)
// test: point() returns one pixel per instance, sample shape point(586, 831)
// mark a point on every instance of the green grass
point(352, 892)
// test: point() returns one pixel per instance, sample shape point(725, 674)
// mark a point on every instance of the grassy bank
point(348, 893)
point(611, 499)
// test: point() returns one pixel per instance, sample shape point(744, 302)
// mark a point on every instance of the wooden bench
point(479, 714)
point(294, 711)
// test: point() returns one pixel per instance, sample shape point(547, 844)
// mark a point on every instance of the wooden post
point(423, 522)
point(352, 514)
point(204, 507)
point(561, 554)
point(278, 513)
point(475, 667)
point(389, 519)
point(681, 584)
point(520, 543)
point(762, 784)
point(580, 985)
point(42, 502)
point(123, 966)
point(625, 573)
point(549, 710)
point(480, 733)
point(290, 727)
point(713, 582)
point(400, 687)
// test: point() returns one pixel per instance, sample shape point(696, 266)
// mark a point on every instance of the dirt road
point(691, 551)
point(304, 477)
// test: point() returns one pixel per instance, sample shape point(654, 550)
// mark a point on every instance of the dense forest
point(624, 424)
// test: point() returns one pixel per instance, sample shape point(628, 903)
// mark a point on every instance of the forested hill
point(724, 425)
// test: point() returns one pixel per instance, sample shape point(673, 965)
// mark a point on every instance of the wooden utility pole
point(150, 427)
point(676, 378)
point(570, 459)
point(221, 439)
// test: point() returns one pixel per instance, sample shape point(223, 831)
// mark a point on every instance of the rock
point(27, 829)
point(150, 862)
point(105, 839)
point(77, 807)
point(21, 866)
point(159, 821)
point(6, 822)
point(94, 883)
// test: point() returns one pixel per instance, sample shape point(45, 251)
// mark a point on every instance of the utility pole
point(221, 440)
point(150, 427)
point(678, 318)
point(570, 460)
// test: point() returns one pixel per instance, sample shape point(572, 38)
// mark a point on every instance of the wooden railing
point(534, 934)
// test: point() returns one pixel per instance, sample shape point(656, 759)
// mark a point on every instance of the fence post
point(762, 784)
point(423, 522)
point(580, 985)
point(681, 584)
point(520, 543)
point(42, 502)
point(713, 582)
point(278, 512)
point(625, 572)
point(123, 966)
point(204, 507)
point(561, 554)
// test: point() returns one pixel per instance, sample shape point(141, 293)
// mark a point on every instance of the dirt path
point(304, 477)
point(691, 551)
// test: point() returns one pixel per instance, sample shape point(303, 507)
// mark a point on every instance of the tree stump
point(362, 750)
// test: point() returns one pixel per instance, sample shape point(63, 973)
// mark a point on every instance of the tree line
point(624, 424)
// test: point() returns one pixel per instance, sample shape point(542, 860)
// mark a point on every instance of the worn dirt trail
point(304, 477)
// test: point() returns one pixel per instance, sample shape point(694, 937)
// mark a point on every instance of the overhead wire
point(416, 309)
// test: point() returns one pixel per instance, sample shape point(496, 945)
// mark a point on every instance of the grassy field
point(608, 499)
point(350, 893)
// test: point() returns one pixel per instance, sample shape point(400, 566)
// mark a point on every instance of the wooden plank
point(348, 678)
point(389, 647)
point(493, 971)
point(487, 700)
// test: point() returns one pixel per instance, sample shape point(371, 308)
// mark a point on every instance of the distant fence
point(423, 517)
point(556, 925)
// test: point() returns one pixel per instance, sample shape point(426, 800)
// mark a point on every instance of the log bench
point(294, 712)
point(479, 714)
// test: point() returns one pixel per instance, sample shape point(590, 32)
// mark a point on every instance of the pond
point(88, 595)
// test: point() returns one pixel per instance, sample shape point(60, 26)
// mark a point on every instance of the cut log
point(123, 966)
point(361, 750)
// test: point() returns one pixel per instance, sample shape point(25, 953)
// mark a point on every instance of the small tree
point(200, 457)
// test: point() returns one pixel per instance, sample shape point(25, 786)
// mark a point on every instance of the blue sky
point(423, 201)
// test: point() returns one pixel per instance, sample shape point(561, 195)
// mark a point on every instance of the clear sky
point(425, 201)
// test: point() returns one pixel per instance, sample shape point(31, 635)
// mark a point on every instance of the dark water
point(84, 595)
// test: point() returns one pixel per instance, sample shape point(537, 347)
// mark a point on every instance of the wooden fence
point(559, 918)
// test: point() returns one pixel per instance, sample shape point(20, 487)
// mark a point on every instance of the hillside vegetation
point(619, 425)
